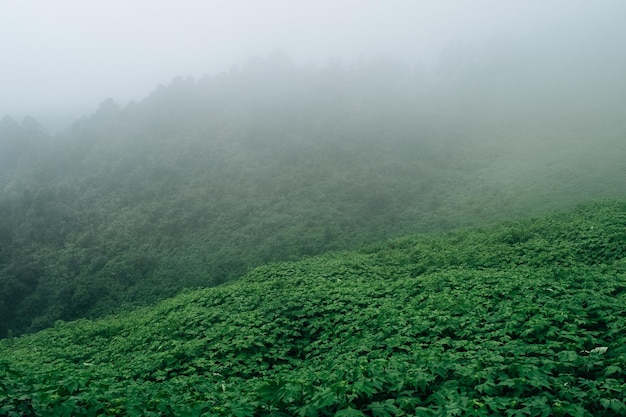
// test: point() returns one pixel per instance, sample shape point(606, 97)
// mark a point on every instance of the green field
point(526, 318)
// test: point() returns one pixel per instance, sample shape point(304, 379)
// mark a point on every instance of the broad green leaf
point(384, 409)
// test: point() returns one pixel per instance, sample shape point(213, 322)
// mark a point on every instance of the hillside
point(521, 319)
point(206, 178)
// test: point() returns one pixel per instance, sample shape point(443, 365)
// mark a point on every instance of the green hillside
point(207, 178)
point(527, 318)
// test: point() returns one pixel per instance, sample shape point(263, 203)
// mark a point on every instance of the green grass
point(527, 318)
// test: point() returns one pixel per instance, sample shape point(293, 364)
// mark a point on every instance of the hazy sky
point(61, 58)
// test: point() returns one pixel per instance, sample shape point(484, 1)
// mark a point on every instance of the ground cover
point(527, 318)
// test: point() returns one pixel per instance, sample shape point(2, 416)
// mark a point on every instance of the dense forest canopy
point(271, 161)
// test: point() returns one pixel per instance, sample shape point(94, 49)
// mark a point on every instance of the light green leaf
point(349, 412)
point(613, 369)
point(599, 350)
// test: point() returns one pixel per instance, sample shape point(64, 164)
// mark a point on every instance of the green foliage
point(205, 179)
point(189, 189)
point(468, 323)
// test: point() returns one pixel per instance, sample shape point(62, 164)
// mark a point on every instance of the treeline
point(206, 178)
point(202, 180)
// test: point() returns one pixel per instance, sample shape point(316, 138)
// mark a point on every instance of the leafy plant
point(359, 333)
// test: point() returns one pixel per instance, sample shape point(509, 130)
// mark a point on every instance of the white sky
point(61, 58)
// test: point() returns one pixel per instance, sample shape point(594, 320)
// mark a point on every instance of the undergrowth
point(524, 319)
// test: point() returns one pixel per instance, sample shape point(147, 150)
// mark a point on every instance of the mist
point(398, 187)
point(160, 146)
point(63, 58)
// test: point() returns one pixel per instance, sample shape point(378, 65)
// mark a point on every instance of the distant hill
point(523, 318)
point(205, 179)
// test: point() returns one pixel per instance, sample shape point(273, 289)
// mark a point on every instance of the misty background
point(61, 59)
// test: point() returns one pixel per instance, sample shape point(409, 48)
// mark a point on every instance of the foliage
point(205, 179)
point(523, 319)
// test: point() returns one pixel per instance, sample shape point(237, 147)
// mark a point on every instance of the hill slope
point(526, 318)
point(205, 179)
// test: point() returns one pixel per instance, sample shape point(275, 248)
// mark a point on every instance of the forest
point(207, 178)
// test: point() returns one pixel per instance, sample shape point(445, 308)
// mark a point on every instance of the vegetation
point(523, 319)
point(205, 179)
point(215, 249)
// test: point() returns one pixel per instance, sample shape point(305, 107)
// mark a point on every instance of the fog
point(188, 142)
point(62, 58)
